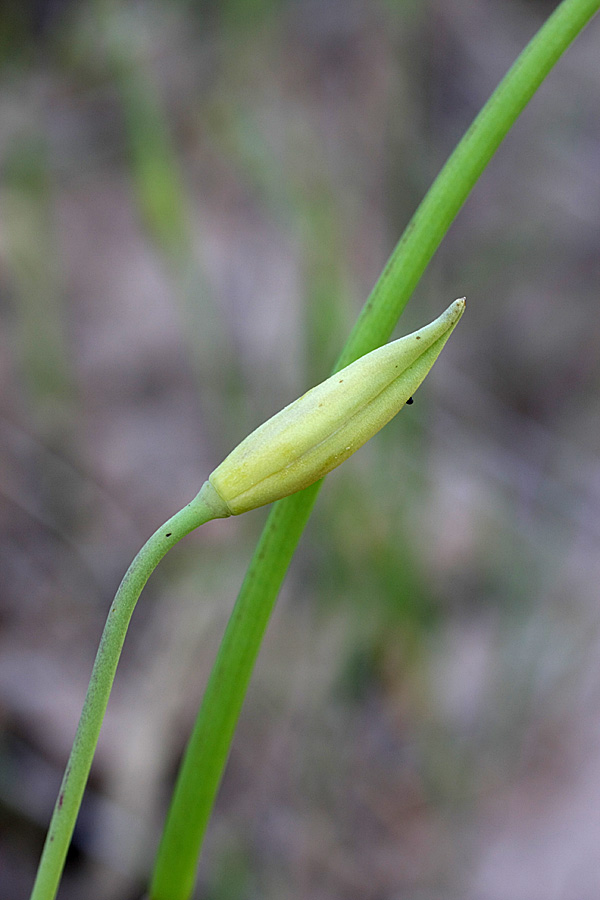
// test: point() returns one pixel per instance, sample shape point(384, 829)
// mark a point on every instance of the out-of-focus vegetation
point(195, 198)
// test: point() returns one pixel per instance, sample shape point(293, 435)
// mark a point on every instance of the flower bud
point(321, 429)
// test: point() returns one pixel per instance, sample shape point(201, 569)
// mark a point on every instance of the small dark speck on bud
point(418, 337)
point(168, 534)
point(410, 401)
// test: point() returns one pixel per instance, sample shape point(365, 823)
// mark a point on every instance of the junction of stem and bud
point(325, 426)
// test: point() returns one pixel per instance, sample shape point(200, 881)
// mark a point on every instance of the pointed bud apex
point(321, 429)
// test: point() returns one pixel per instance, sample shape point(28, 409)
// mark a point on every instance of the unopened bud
point(321, 429)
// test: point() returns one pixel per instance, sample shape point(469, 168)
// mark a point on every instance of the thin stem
point(209, 746)
point(78, 767)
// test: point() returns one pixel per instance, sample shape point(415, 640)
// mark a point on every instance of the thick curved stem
point(78, 767)
point(208, 749)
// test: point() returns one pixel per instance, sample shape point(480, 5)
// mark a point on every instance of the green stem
point(455, 181)
point(208, 749)
point(78, 767)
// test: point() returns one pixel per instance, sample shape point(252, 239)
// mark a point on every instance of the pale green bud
point(321, 429)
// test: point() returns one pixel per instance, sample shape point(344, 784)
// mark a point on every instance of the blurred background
point(195, 200)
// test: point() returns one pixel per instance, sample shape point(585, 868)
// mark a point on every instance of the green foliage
point(210, 742)
point(405, 614)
